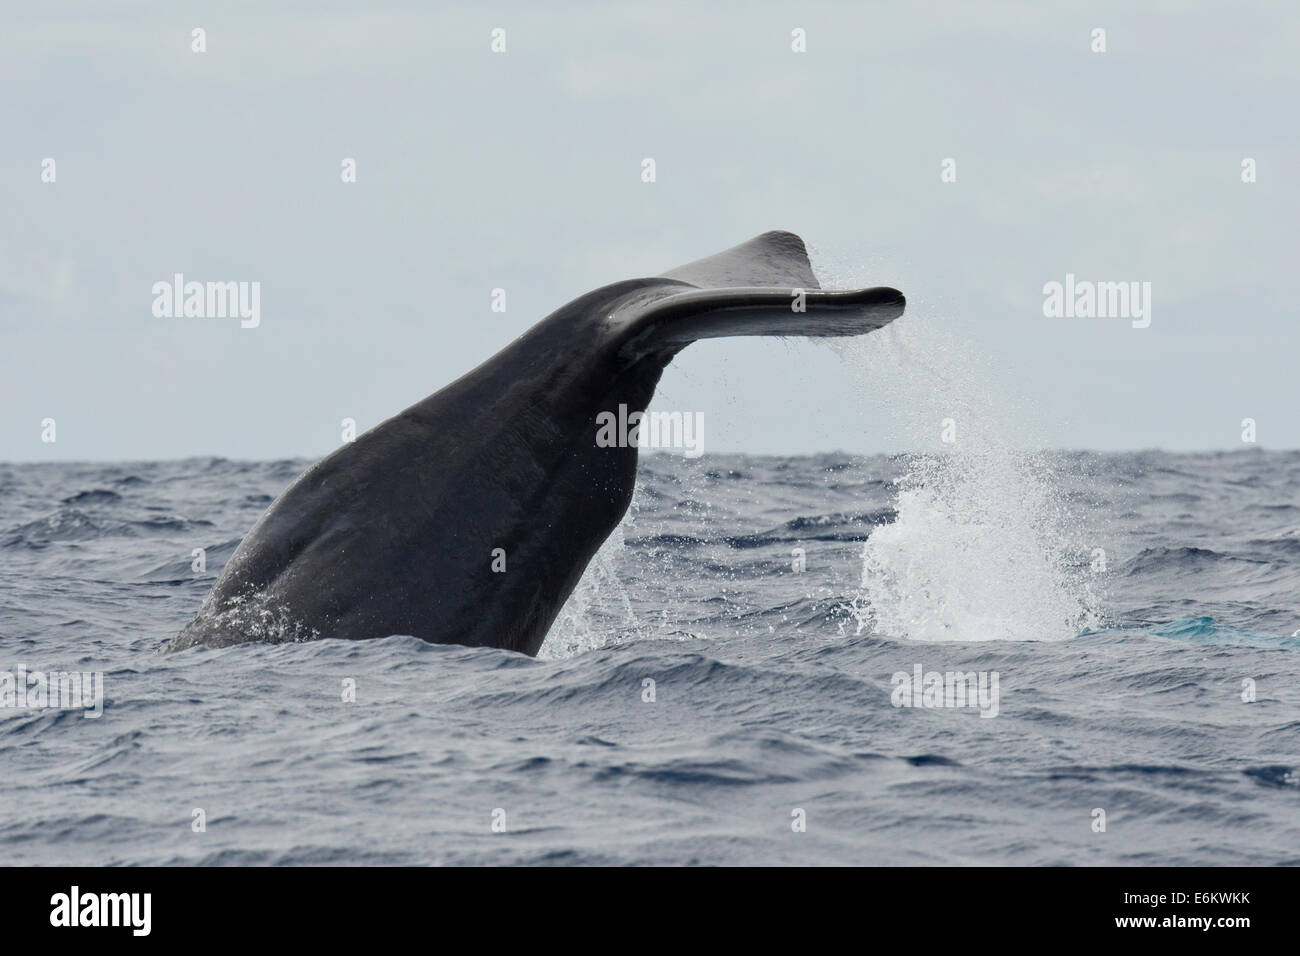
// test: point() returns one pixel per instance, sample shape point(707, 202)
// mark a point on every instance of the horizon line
point(1253, 448)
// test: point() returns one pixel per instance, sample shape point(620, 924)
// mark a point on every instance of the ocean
point(758, 668)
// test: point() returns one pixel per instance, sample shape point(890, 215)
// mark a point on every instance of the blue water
point(1121, 676)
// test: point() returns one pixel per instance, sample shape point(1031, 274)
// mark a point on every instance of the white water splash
point(978, 552)
point(598, 609)
point(983, 547)
point(603, 610)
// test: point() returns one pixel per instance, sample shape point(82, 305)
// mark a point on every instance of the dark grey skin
point(394, 533)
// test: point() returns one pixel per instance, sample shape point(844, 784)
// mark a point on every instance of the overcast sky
point(522, 170)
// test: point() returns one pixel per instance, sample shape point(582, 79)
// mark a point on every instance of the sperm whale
point(470, 517)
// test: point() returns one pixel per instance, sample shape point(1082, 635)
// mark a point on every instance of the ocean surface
point(1140, 612)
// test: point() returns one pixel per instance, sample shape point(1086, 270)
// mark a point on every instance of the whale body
point(469, 517)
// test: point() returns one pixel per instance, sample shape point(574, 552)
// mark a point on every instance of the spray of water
point(598, 607)
point(983, 547)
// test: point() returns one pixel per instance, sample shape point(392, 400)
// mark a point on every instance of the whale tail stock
point(765, 286)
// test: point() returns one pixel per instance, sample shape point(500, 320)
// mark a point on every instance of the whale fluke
point(775, 259)
point(469, 517)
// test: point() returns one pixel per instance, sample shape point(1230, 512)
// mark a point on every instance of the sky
point(522, 170)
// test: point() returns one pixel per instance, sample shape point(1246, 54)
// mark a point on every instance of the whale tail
point(765, 286)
